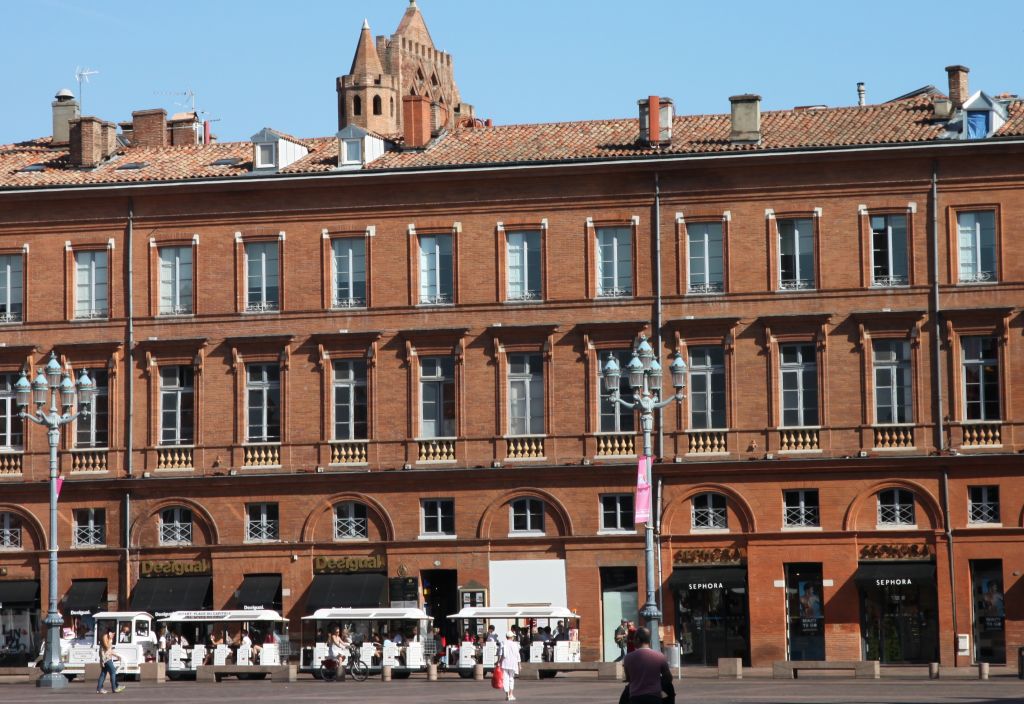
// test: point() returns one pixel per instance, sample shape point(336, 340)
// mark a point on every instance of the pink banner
point(642, 511)
point(60, 484)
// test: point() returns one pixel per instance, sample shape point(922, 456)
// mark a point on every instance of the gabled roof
point(413, 26)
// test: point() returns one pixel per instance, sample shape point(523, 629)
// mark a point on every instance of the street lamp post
point(53, 381)
point(645, 376)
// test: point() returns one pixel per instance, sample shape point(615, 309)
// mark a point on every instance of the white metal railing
point(350, 528)
point(524, 296)
point(984, 512)
point(800, 516)
point(976, 277)
point(91, 313)
point(709, 518)
point(10, 317)
point(176, 533)
point(889, 281)
point(795, 285)
point(262, 531)
point(175, 310)
point(614, 292)
point(89, 536)
point(348, 302)
point(707, 287)
point(895, 514)
point(10, 538)
point(261, 307)
point(435, 299)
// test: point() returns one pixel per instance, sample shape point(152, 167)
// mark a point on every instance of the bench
point(277, 673)
point(862, 669)
point(30, 672)
point(539, 670)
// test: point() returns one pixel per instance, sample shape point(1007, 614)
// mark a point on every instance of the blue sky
point(259, 63)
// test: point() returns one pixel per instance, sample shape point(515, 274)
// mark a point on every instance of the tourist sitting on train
point(562, 633)
point(415, 637)
point(467, 637)
point(397, 638)
point(491, 637)
point(125, 636)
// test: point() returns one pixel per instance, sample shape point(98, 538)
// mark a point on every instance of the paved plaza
point(564, 689)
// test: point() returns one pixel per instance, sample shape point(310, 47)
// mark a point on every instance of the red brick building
point(388, 350)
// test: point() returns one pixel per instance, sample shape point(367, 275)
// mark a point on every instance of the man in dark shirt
point(648, 673)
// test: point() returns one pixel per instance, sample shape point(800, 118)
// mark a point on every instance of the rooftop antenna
point(82, 75)
point(188, 94)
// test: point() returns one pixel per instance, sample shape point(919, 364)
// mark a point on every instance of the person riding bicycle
point(338, 649)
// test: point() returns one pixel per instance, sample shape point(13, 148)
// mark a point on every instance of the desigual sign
point(174, 568)
point(344, 565)
point(892, 582)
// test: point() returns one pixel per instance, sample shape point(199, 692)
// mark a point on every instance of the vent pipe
point(861, 94)
point(656, 116)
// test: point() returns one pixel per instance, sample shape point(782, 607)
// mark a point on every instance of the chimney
point(149, 128)
point(958, 85)
point(416, 121)
point(656, 120)
point(942, 107)
point(745, 121)
point(861, 94)
point(65, 109)
point(86, 141)
point(184, 129)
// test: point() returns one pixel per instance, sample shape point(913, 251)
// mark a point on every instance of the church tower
point(406, 63)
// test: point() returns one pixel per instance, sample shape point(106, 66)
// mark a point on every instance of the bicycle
point(354, 667)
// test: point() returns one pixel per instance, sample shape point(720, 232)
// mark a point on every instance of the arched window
point(708, 512)
point(357, 105)
point(896, 508)
point(526, 515)
point(176, 526)
point(392, 107)
point(10, 531)
point(350, 521)
point(377, 108)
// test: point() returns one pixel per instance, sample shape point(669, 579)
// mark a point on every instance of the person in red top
point(647, 673)
point(630, 637)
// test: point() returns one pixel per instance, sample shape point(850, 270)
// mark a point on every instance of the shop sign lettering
point(707, 585)
point(174, 568)
point(348, 564)
point(893, 582)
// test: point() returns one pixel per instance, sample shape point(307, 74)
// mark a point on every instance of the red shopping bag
point(498, 677)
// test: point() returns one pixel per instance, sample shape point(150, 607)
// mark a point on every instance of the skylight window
point(33, 167)
point(228, 161)
point(132, 166)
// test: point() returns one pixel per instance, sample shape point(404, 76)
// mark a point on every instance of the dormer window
point(266, 156)
point(273, 150)
point(356, 147)
point(982, 116)
point(978, 122)
point(353, 151)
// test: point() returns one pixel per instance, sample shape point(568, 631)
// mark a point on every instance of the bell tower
point(368, 97)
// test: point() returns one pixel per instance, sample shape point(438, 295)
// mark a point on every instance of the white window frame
point(976, 246)
point(270, 526)
point(89, 307)
point(12, 427)
point(616, 411)
point(981, 364)
point(432, 289)
point(622, 525)
point(799, 369)
point(527, 388)
point(351, 527)
point(178, 391)
point(353, 381)
point(101, 397)
point(177, 512)
point(345, 271)
point(92, 533)
point(440, 380)
point(265, 387)
point(345, 144)
point(700, 234)
point(989, 505)
point(519, 245)
point(437, 514)
point(804, 514)
point(621, 273)
point(893, 515)
point(262, 163)
point(708, 372)
point(12, 293)
point(527, 507)
point(891, 280)
point(175, 280)
point(890, 369)
point(803, 281)
point(264, 304)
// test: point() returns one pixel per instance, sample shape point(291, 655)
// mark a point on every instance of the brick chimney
point(149, 128)
point(745, 120)
point(65, 109)
point(416, 114)
point(958, 85)
point(184, 129)
point(86, 141)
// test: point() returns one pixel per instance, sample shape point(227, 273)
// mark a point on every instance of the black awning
point(708, 578)
point(894, 574)
point(162, 595)
point(85, 597)
point(260, 591)
point(19, 591)
point(358, 591)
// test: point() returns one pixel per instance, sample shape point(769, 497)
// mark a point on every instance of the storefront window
point(711, 614)
point(989, 611)
point(805, 611)
point(19, 622)
point(899, 612)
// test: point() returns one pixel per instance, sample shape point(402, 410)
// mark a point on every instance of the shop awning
point(86, 596)
point(892, 574)
point(706, 578)
point(19, 591)
point(260, 591)
point(360, 591)
point(162, 595)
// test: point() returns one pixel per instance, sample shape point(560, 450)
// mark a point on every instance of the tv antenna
point(82, 75)
point(188, 94)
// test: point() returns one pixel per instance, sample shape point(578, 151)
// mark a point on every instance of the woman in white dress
point(510, 664)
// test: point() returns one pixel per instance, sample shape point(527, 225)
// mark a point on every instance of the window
point(353, 153)
point(525, 394)
point(707, 388)
point(177, 405)
point(436, 274)
point(377, 109)
point(266, 156)
point(11, 287)
point(524, 266)
point(892, 382)
point(704, 246)
point(981, 378)
point(526, 516)
point(176, 526)
point(799, 385)
point(978, 122)
point(977, 245)
point(438, 516)
point(10, 531)
point(11, 428)
point(614, 262)
point(889, 250)
point(617, 512)
point(261, 271)
point(357, 105)
point(708, 512)
point(175, 280)
point(437, 397)
point(263, 387)
point(349, 272)
point(614, 417)
point(796, 254)
point(801, 508)
point(90, 527)
point(261, 523)
point(91, 292)
point(350, 521)
point(91, 430)
point(896, 508)
point(350, 399)
point(983, 504)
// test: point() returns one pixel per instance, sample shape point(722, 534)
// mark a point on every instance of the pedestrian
point(107, 666)
point(509, 661)
point(620, 639)
point(647, 674)
point(630, 637)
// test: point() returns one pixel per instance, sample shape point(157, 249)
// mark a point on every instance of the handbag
point(498, 677)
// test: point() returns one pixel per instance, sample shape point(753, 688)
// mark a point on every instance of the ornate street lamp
point(51, 383)
point(645, 378)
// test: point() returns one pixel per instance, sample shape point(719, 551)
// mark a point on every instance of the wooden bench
point(215, 673)
point(862, 669)
point(539, 670)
